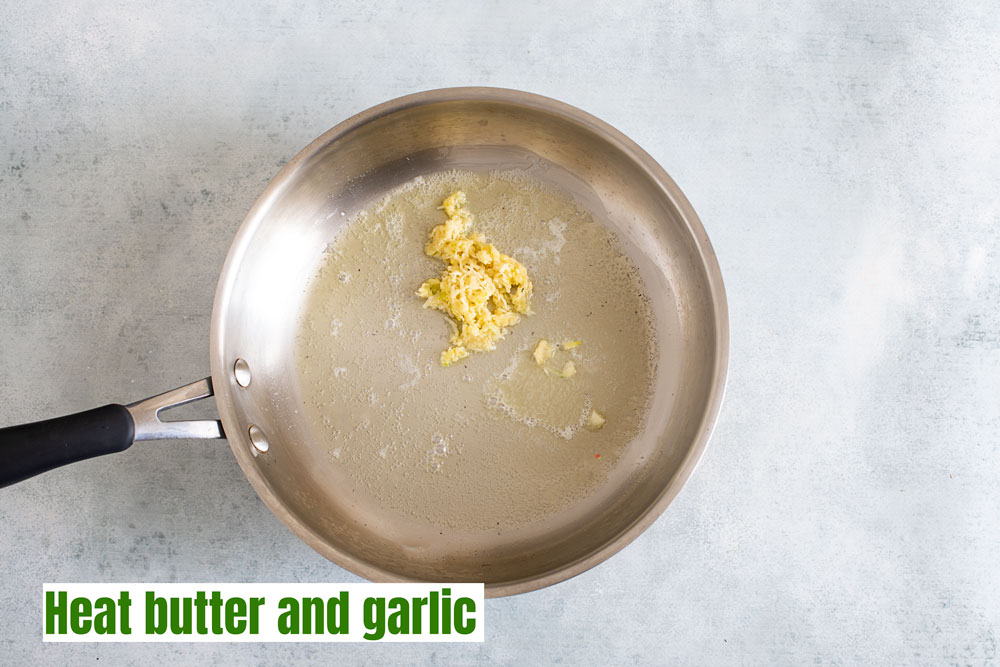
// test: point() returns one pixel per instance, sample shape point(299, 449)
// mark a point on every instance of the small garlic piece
point(543, 352)
point(596, 421)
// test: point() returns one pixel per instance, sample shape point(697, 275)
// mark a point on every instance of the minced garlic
point(482, 289)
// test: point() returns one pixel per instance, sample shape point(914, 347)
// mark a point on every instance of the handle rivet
point(258, 440)
point(241, 370)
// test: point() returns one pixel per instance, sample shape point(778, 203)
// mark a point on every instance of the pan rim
point(709, 262)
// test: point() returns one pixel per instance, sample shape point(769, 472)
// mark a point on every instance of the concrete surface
point(843, 157)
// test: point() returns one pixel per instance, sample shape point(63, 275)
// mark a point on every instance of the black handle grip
point(31, 449)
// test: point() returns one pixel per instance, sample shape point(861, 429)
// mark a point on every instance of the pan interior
point(422, 503)
point(495, 447)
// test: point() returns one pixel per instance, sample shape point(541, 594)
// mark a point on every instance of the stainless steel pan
point(277, 250)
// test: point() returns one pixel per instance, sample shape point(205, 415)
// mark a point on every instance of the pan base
point(490, 446)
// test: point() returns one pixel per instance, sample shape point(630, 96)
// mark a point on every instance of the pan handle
point(30, 449)
point(146, 414)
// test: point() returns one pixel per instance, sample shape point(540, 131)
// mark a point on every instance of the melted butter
point(492, 441)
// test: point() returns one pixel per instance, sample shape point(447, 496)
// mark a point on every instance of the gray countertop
point(844, 161)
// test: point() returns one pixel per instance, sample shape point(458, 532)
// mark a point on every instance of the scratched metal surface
point(843, 159)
